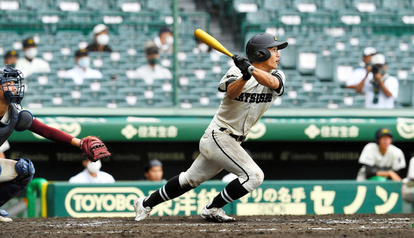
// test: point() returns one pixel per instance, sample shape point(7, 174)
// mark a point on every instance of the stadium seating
point(326, 39)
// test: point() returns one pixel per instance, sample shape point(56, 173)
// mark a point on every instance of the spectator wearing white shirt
point(30, 64)
point(364, 72)
point(92, 174)
point(82, 69)
point(152, 70)
point(382, 90)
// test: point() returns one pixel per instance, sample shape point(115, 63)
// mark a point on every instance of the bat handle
point(251, 69)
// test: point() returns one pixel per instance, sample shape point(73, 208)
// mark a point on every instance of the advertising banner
point(271, 198)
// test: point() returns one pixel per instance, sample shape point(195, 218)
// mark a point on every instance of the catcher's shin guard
point(25, 170)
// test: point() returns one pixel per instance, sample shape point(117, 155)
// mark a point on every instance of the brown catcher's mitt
point(93, 148)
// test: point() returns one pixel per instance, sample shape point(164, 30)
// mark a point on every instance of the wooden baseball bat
point(215, 44)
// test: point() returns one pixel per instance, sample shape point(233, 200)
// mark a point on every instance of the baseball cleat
point(3, 216)
point(141, 211)
point(216, 215)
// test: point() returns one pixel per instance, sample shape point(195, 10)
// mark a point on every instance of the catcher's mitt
point(93, 148)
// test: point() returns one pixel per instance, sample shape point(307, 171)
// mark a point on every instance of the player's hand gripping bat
point(215, 44)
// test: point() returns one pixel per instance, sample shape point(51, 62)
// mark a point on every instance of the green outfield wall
point(169, 125)
point(271, 198)
point(287, 143)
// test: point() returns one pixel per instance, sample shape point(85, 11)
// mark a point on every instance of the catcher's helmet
point(9, 78)
point(256, 47)
point(382, 132)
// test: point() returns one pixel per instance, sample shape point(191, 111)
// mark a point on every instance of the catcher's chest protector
point(16, 121)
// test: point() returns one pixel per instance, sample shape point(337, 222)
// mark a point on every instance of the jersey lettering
point(254, 97)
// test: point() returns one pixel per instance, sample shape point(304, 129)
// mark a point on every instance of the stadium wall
point(287, 143)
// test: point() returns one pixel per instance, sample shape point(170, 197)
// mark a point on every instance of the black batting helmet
point(256, 47)
point(382, 132)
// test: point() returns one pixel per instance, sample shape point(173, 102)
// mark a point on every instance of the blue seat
point(324, 67)
point(405, 94)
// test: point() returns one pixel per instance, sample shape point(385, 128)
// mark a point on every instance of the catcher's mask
point(12, 86)
point(382, 132)
point(256, 47)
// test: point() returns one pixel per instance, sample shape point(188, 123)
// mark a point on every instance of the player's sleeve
point(281, 78)
point(50, 132)
point(399, 160)
point(366, 157)
point(231, 76)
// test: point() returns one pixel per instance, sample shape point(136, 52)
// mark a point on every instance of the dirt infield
point(363, 225)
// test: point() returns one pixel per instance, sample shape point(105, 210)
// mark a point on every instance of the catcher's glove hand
point(93, 148)
point(243, 64)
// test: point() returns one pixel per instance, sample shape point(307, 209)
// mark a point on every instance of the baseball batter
point(247, 98)
point(16, 174)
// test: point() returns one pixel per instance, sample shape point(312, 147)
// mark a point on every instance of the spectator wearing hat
point(164, 41)
point(152, 70)
point(92, 173)
point(153, 171)
point(381, 159)
point(381, 89)
point(30, 64)
point(82, 69)
point(364, 72)
point(100, 39)
point(10, 58)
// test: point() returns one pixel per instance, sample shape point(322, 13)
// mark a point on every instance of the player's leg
point(234, 159)
point(201, 170)
point(14, 177)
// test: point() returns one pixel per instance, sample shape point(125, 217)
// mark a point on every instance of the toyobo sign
point(101, 201)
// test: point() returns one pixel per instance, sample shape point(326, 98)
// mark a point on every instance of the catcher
point(16, 174)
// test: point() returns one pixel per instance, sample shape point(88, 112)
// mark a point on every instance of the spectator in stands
point(382, 159)
point(382, 89)
point(364, 72)
point(152, 70)
point(82, 69)
point(164, 41)
point(100, 39)
point(153, 171)
point(92, 174)
point(30, 64)
point(10, 58)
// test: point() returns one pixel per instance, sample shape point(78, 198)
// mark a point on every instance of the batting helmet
point(256, 47)
point(7, 76)
point(382, 132)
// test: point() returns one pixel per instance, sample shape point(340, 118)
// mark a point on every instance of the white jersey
point(393, 159)
point(240, 114)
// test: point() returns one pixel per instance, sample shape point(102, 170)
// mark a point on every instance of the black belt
point(238, 138)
